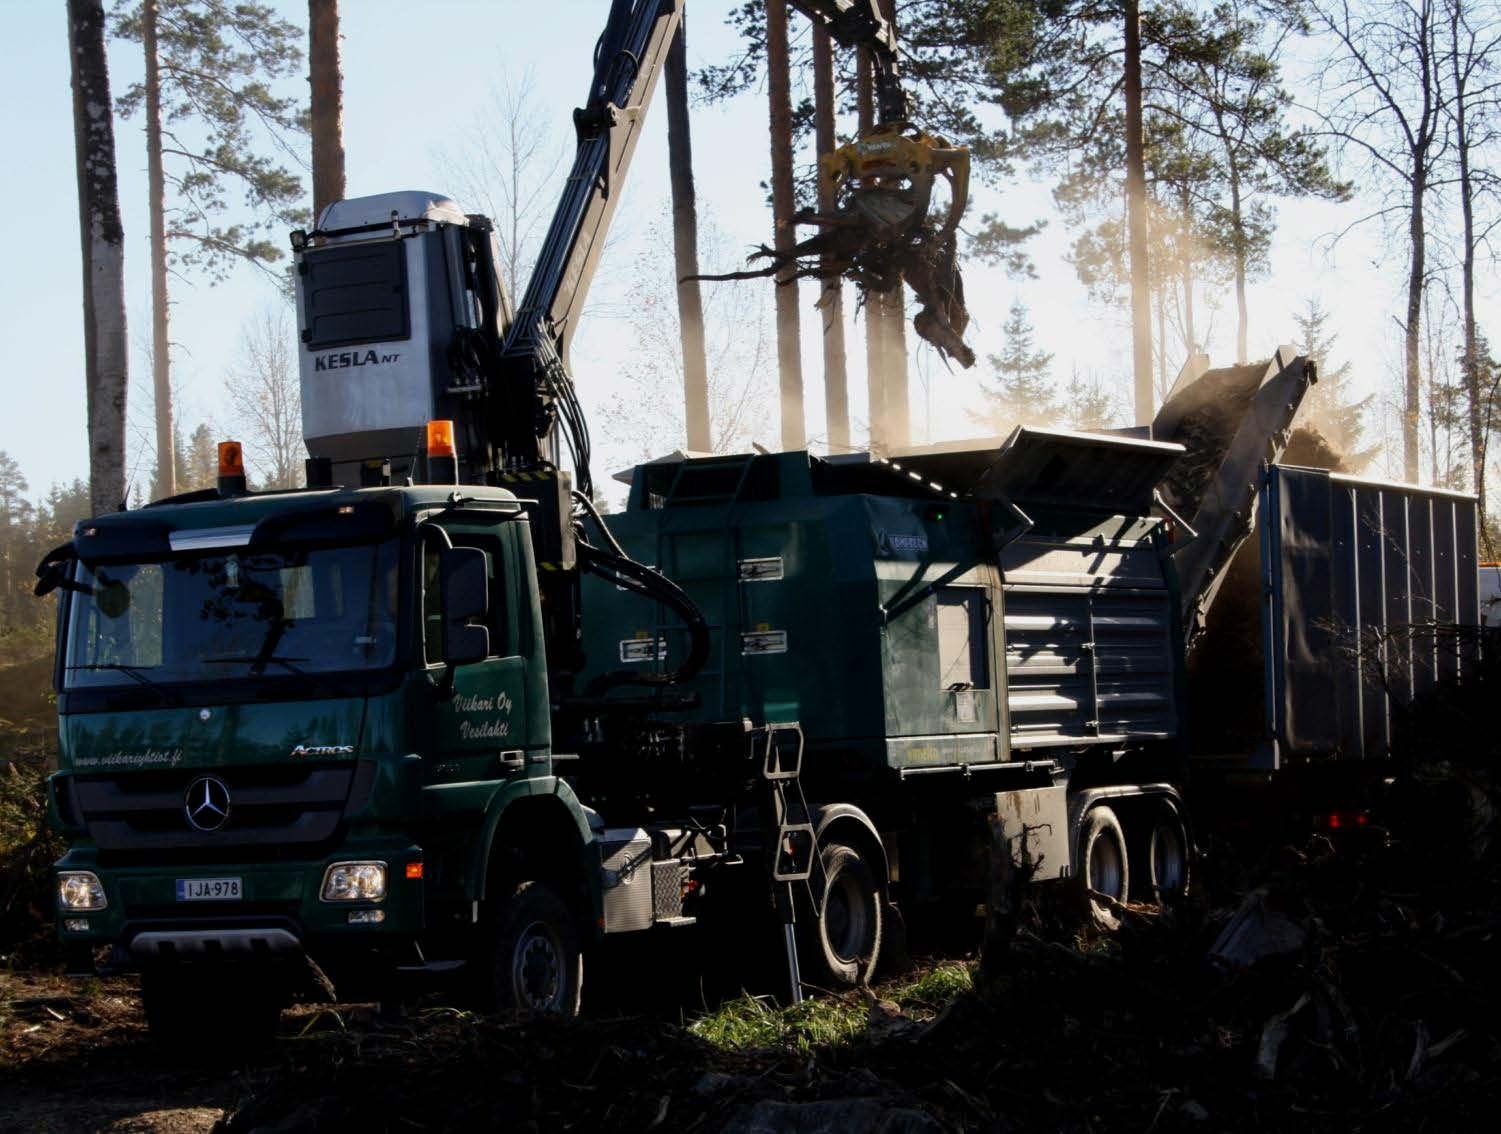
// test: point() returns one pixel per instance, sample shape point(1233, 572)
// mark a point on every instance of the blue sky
point(417, 79)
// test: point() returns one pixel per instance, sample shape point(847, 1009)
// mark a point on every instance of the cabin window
point(355, 294)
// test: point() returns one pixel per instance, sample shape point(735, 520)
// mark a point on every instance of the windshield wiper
point(258, 662)
point(135, 673)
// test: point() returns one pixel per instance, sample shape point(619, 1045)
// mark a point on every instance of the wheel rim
point(1106, 869)
point(537, 969)
point(846, 919)
point(1169, 863)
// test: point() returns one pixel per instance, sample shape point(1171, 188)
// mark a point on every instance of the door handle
point(513, 760)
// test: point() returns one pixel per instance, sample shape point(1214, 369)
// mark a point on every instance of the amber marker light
point(440, 439)
point(442, 461)
point(231, 469)
point(414, 870)
point(231, 459)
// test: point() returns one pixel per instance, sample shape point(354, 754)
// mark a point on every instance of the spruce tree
point(200, 464)
point(1022, 392)
point(215, 130)
point(1331, 404)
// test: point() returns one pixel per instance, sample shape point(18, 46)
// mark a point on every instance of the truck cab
point(295, 726)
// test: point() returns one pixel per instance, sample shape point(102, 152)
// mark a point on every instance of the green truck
point(434, 714)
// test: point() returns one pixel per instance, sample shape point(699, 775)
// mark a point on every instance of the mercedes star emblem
point(207, 803)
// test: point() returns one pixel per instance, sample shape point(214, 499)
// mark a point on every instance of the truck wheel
point(1167, 855)
point(1102, 854)
point(182, 1015)
point(850, 921)
point(537, 966)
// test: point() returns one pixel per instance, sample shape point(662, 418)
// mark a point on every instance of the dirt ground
point(1349, 986)
point(1337, 984)
point(74, 1056)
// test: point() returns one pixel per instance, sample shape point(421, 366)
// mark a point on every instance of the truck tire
point(183, 1015)
point(1167, 855)
point(1103, 864)
point(850, 922)
point(536, 965)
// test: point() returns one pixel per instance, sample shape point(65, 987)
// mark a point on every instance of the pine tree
point(207, 99)
point(1022, 393)
point(1330, 404)
point(326, 80)
point(789, 356)
point(685, 243)
point(831, 290)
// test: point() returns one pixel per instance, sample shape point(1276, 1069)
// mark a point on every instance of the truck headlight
point(355, 882)
point(80, 890)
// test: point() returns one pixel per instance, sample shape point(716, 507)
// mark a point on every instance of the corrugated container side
point(1364, 582)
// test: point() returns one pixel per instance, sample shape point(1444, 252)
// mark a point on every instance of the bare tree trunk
point(1470, 364)
point(103, 246)
point(893, 314)
point(789, 354)
point(1136, 221)
point(326, 78)
point(1413, 374)
point(1162, 342)
point(1190, 343)
point(875, 333)
point(831, 302)
point(685, 245)
point(1399, 73)
point(1238, 224)
point(156, 198)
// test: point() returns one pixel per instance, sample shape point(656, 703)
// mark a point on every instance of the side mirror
point(52, 572)
point(464, 575)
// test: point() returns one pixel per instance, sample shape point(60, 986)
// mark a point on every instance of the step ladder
point(793, 855)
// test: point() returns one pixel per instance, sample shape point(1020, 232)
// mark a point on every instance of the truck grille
point(270, 806)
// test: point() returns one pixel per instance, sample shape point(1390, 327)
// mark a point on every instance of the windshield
point(205, 618)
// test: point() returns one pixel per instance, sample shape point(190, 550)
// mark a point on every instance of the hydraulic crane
point(503, 376)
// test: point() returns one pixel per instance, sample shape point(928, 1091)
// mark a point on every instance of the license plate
point(208, 889)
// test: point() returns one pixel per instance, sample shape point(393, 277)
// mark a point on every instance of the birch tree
point(103, 245)
point(265, 401)
point(1385, 100)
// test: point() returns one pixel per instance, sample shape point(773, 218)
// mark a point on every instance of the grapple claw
point(880, 232)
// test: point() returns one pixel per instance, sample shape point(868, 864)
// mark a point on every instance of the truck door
point(480, 730)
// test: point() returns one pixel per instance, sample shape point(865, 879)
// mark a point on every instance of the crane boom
point(860, 23)
point(628, 60)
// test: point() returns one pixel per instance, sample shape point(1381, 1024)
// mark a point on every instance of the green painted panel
point(210, 736)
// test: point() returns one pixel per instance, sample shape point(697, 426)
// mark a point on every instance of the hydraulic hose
point(616, 566)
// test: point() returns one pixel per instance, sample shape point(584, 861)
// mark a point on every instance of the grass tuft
point(754, 1023)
